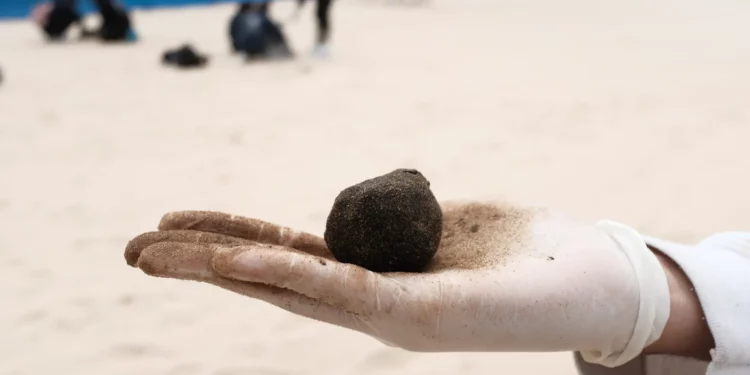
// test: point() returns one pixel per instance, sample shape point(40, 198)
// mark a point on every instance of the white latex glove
point(503, 279)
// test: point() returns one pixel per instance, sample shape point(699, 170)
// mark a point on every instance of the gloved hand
point(504, 279)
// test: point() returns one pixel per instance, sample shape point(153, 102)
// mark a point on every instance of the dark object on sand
point(252, 32)
point(115, 22)
point(59, 20)
point(391, 223)
point(184, 57)
point(116, 25)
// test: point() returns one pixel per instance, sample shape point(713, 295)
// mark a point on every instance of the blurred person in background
point(253, 31)
point(56, 17)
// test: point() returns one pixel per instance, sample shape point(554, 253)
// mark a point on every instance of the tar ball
point(390, 223)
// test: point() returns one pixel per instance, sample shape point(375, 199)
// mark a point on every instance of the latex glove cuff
point(653, 311)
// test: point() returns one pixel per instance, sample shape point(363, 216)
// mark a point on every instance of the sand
point(636, 111)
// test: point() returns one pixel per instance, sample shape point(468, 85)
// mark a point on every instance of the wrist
point(686, 333)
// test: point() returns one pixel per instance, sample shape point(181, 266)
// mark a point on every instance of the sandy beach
point(636, 111)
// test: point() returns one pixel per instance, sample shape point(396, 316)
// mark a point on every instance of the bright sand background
point(636, 111)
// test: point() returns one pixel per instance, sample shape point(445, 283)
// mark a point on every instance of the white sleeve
point(719, 268)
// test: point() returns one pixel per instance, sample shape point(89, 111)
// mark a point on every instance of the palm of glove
point(504, 278)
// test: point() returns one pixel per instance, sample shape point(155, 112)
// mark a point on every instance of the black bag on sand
point(184, 57)
point(255, 35)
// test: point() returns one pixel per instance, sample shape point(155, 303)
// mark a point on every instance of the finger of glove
point(247, 228)
point(136, 245)
point(294, 303)
point(346, 286)
point(190, 261)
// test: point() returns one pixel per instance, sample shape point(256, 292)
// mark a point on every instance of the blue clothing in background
point(255, 34)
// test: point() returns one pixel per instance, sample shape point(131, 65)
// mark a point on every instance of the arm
point(687, 333)
point(719, 270)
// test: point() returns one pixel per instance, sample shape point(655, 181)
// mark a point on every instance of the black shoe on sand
point(184, 57)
